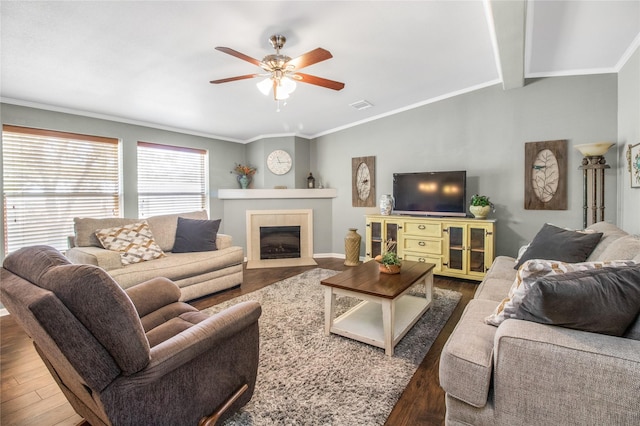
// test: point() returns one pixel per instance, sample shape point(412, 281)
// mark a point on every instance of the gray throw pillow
point(196, 235)
point(605, 301)
point(553, 243)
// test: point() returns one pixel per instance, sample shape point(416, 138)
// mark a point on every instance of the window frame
point(70, 187)
point(145, 212)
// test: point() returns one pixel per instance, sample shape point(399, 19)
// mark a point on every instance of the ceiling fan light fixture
point(287, 85)
point(264, 86)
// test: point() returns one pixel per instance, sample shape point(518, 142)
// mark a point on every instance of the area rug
point(307, 378)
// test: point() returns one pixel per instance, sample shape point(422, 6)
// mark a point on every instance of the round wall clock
point(279, 162)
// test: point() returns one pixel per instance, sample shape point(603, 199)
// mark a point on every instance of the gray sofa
point(197, 274)
point(528, 373)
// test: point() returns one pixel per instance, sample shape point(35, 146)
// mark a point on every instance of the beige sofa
point(528, 373)
point(197, 274)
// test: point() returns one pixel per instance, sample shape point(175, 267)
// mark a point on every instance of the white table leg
point(428, 287)
point(329, 307)
point(388, 317)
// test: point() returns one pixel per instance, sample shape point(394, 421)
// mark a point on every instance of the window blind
point(51, 177)
point(170, 179)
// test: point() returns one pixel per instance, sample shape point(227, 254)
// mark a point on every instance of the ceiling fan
point(282, 71)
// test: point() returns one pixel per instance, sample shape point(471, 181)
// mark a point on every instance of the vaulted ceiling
point(150, 63)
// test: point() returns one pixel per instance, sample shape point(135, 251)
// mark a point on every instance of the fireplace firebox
point(279, 242)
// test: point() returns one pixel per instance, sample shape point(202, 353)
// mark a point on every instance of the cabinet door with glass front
point(468, 249)
point(382, 235)
point(480, 245)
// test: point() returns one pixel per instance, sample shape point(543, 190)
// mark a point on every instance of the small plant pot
point(480, 212)
point(389, 269)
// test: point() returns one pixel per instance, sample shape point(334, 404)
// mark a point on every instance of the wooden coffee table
point(386, 312)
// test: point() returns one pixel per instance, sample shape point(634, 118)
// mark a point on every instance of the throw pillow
point(530, 272)
point(605, 301)
point(555, 243)
point(196, 235)
point(134, 242)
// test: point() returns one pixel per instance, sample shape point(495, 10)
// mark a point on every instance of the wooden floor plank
point(29, 395)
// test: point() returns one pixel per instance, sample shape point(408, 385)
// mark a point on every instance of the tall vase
point(244, 181)
point(386, 204)
point(352, 247)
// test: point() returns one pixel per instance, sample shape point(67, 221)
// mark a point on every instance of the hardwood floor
point(29, 395)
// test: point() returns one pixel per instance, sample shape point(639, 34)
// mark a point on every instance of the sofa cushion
point(164, 227)
point(85, 229)
point(530, 272)
point(135, 242)
point(193, 235)
point(626, 247)
point(555, 243)
point(178, 266)
point(468, 354)
point(104, 309)
point(498, 280)
point(604, 301)
point(610, 233)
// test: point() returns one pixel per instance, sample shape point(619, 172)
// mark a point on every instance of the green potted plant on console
point(480, 206)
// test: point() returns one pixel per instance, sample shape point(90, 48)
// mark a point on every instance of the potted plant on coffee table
point(389, 262)
point(480, 206)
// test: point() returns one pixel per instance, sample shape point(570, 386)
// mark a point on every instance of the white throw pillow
point(134, 242)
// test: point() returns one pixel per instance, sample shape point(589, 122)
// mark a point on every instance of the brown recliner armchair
point(138, 357)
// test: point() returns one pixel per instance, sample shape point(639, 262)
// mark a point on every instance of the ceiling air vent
point(360, 105)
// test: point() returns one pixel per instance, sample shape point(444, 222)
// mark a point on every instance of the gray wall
point(628, 134)
point(482, 132)
point(297, 147)
point(222, 154)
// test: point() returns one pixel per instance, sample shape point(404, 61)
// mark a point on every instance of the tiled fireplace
point(277, 238)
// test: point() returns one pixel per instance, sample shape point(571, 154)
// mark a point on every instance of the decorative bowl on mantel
point(594, 149)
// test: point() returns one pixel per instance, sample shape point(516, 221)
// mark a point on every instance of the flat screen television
point(430, 193)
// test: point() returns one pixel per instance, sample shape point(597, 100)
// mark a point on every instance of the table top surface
point(366, 278)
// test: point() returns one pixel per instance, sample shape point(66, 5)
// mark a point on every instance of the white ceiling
point(150, 62)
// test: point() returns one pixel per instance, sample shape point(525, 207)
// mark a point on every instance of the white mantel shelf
point(251, 194)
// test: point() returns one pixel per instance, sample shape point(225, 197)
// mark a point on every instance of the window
point(51, 177)
point(171, 179)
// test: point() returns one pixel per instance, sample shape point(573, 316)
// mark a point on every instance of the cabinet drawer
point(418, 257)
point(423, 229)
point(422, 245)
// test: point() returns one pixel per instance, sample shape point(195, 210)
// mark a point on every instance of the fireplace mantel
point(249, 194)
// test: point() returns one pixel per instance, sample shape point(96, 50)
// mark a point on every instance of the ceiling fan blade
point(240, 77)
point(239, 55)
point(310, 58)
point(318, 81)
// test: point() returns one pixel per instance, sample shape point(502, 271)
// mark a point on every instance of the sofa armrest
point(199, 368)
point(223, 241)
point(152, 295)
point(106, 259)
point(555, 375)
point(206, 336)
point(466, 361)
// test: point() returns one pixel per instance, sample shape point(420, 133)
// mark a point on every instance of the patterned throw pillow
point(530, 272)
point(134, 242)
